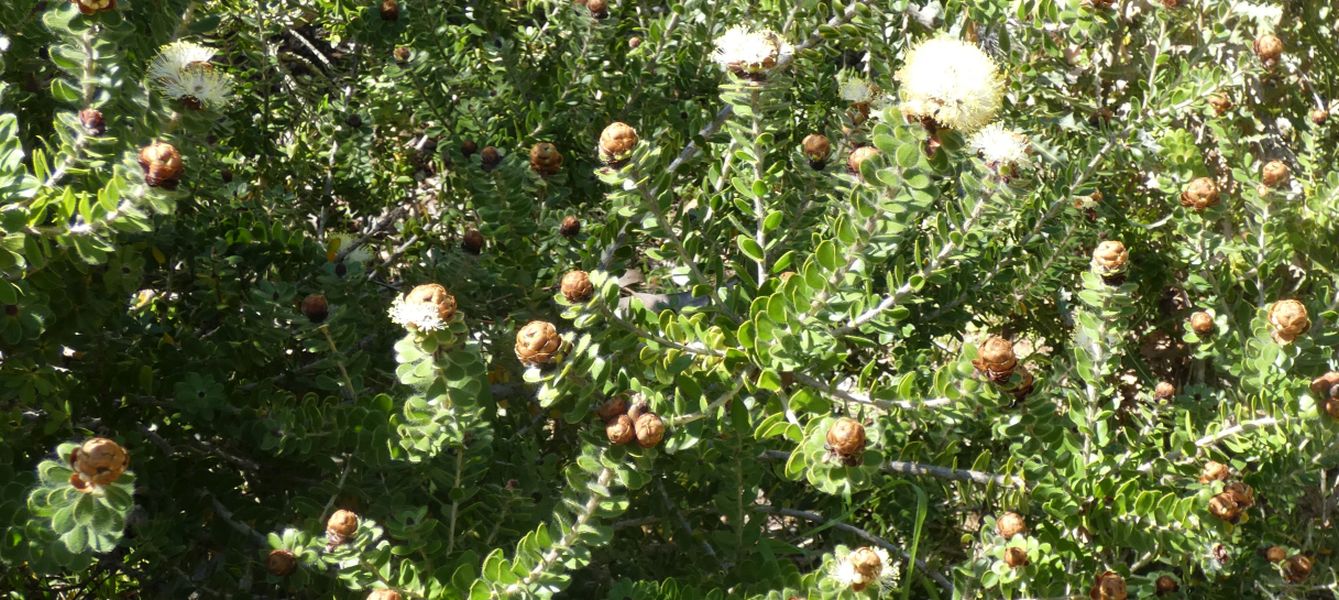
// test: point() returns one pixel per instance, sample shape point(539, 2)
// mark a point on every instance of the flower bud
point(538, 344)
point(1201, 323)
point(1274, 173)
point(817, 148)
point(1200, 194)
point(92, 7)
point(1015, 557)
point(436, 296)
point(1269, 48)
point(91, 119)
point(281, 563)
point(1166, 585)
point(1010, 524)
point(1297, 568)
point(384, 595)
point(390, 10)
point(1110, 258)
point(315, 307)
point(634, 41)
point(620, 430)
point(340, 527)
point(161, 164)
point(858, 157)
point(490, 158)
point(1164, 390)
point(616, 405)
point(617, 142)
point(598, 8)
point(650, 430)
point(996, 359)
point(472, 241)
point(1319, 116)
point(1220, 103)
point(99, 461)
point(576, 286)
point(1214, 471)
point(1109, 586)
point(1275, 554)
point(1288, 320)
point(545, 159)
point(1224, 507)
point(571, 226)
point(846, 438)
point(468, 148)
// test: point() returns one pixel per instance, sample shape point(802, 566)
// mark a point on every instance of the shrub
point(406, 299)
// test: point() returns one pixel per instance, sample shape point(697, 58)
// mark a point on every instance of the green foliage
point(745, 291)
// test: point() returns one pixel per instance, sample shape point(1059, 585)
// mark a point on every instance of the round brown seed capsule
point(341, 526)
point(996, 359)
point(545, 159)
point(846, 437)
point(620, 430)
point(91, 119)
point(161, 164)
point(576, 286)
point(1109, 586)
point(281, 563)
point(1319, 116)
point(1214, 471)
point(490, 158)
point(89, 7)
point(1269, 48)
point(468, 148)
point(1010, 524)
point(634, 41)
point(650, 430)
point(315, 307)
point(1275, 554)
point(472, 241)
point(1274, 173)
point(1288, 320)
point(390, 10)
point(1166, 585)
point(383, 595)
point(858, 157)
point(617, 142)
point(402, 54)
point(1164, 390)
point(598, 8)
point(1224, 507)
point(616, 405)
point(570, 227)
point(100, 461)
point(1201, 323)
point(538, 344)
point(817, 148)
point(1242, 494)
point(1110, 258)
point(1015, 557)
point(435, 296)
point(1297, 568)
point(1200, 194)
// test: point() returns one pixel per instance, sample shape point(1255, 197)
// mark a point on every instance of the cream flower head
point(750, 53)
point(1001, 147)
point(851, 569)
point(199, 87)
point(951, 82)
point(856, 89)
point(416, 316)
point(174, 58)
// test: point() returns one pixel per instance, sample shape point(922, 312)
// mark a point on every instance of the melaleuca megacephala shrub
point(395, 299)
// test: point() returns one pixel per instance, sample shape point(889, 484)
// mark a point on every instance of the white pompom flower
point(416, 316)
point(844, 573)
point(1001, 147)
point(174, 58)
point(198, 87)
point(750, 53)
point(856, 89)
point(951, 82)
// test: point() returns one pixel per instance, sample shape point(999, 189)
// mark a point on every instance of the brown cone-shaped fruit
point(538, 344)
point(1201, 323)
point(650, 430)
point(436, 296)
point(1164, 390)
point(846, 437)
point(1110, 258)
point(384, 595)
point(1166, 585)
point(570, 227)
point(1214, 471)
point(472, 241)
point(1297, 568)
point(1269, 48)
point(99, 461)
point(161, 164)
point(1275, 554)
point(1288, 320)
point(1010, 524)
point(1220, 103)
point(576, 286)
point(1274, 173)
point(1224, 507)
point(620, 430)
point(613, 407)
point(490, 158)
point(93, 122)
point(617, 142)
point(867, 564)
point(816, 148)
point(315, 307)
point(390, 10)
point(1109, 586)
point(1200, 194)
point(1242, 494)
point(1015, 557)
point(858, 157)
point(341, 526)
point(545, 159)
point(281, 563)
point(996, 359)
